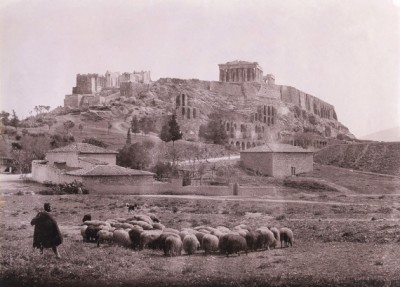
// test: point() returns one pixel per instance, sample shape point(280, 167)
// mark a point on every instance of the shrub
point(70, 188)
point(235, 189)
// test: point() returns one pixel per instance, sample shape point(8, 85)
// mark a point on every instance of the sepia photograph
point(199, 143)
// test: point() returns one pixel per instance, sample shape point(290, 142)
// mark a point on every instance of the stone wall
point(109, 184)
point(43, 171)
point(283, 162)
point(83, 101)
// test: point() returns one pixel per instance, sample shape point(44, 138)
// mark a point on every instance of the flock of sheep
point(144, 230)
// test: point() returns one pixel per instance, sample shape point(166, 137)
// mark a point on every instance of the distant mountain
point(389, 135)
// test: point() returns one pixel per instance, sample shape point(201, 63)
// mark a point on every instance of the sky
point(346, 53)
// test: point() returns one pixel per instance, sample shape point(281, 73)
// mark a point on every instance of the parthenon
point(240, 71)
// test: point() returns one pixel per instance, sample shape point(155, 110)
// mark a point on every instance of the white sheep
point(121, 237)
point(286, 236)
point(210, 243)
point(104, 235)
point(173, 246)
point(190, 244)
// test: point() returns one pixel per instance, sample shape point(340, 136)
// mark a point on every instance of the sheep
point(83, 232)
point(209, 243)
point(121, 237)
point(276, 232)
point(171, 230)
point(251, 240)
point(104, 235)
point(158, 226)
point(223, 229)
point(86, 217)
point(134, 235)
point(91, 233)
point(46, 233)
point(200, 236)
point(190, 244)
point(161, 240)
point(286, 236)
point(232, 243)
point(265, 238)
point(173, 246)
point(149, 239)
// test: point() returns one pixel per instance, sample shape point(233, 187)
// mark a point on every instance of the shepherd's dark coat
point(46, 233)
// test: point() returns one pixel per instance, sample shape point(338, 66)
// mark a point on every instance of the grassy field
point(341, 238)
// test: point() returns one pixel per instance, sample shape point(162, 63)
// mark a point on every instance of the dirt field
point(341, 238)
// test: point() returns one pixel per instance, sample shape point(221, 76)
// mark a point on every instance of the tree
point(215, 130)
point(174, 129)
point(164, 134)
point(14, 120)
point(96, 142)
point(128, 137)
point(4, 118)
point(68, 125)
point(136, 156)
point(50, 122)
point(135, 125)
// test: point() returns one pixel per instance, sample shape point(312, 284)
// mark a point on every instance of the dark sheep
point(91, 233)
point(232, 243)
point(251, 240)
point(87, 217)
point(46, 233)
point(134, 235)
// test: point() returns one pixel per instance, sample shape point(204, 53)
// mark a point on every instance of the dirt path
point(251, 199)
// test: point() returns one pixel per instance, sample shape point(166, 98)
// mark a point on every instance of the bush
point(236, 189)
point(96, 142)
point(70, 188)
point(186, 179)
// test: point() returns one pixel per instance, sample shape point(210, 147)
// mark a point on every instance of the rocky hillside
point(372, 157)
point(237, 103)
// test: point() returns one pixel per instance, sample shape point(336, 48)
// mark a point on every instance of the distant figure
point(131, 207)
point(47, 207)
point(87, 217)
point(46, 233)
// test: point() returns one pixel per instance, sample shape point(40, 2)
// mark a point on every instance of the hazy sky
point(345, 52)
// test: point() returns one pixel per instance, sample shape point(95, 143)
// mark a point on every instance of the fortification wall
point(227, 88)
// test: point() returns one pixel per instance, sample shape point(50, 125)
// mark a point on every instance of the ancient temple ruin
point(240, 71)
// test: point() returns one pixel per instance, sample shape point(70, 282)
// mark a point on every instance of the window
point(293, 170)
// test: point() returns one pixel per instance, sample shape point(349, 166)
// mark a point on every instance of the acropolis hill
point(253, 107)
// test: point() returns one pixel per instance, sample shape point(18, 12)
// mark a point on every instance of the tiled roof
point(109, 170)
point(92, 160)
point(278, 148)
point(83, 148)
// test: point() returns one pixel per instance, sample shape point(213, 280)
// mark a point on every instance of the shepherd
point(46, 233)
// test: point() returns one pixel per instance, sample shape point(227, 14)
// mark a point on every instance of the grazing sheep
point(265, 238)
point(158, 226)
point(251, 240)
point(162, 239)
point(210, 243)
point(223, 229)
point(276, 232)
point(149, 239)
point(286, 236)
point(144, 217)
point(199, 236)
point(190, 244)
point(104, 235)
point(91, 233)
point(218, 233)
point(232, 243)
point(121, 237)
point(171, 230)
point(134, 235)
point(83, 232)
point(173, 246)
point(86, 217)
point(143, 224)
point(46, 233)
